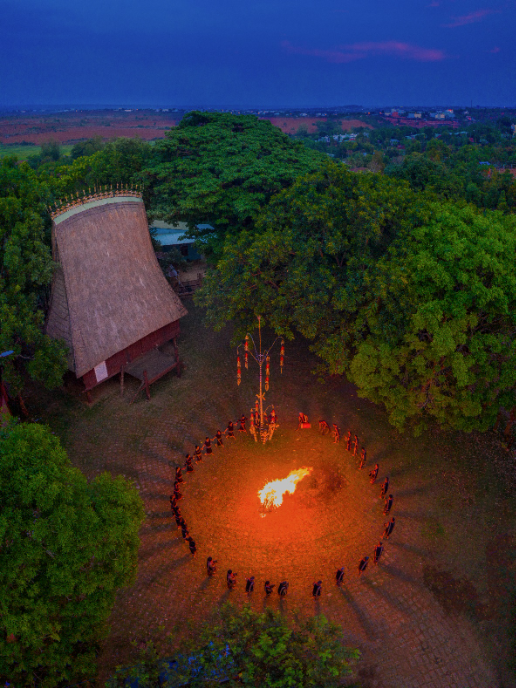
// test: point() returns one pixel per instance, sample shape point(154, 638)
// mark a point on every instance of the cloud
point(359, 51)
point(470, 18)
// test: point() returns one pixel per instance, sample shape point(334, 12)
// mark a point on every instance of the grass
point(23, 152)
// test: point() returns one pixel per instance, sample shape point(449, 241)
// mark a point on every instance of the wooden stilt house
point(110, 301)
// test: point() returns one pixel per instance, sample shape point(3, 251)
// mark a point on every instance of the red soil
point(68, 128)
point(290, 125)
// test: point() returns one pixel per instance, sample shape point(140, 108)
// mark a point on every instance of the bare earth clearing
point(435, 612)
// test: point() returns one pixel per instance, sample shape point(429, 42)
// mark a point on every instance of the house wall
point(114, 363)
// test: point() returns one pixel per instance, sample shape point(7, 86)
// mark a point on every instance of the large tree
point(66, 547)
point(414, 301)
point(222, 169)
point(25, 274)
point(304, 263)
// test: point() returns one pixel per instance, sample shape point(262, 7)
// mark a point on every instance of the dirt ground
point(434, 612)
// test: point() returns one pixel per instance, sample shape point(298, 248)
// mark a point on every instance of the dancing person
point(385, 487)
point(362, 565)
point(283, 588)
point(241, 421)
point(207, 446)
point(373, 474)
point(339, 576)
point(269, 588)
point(210, 566)
point(249, 586)
point(198, 454)
point(336, 433)
point(230, 431)
point(179, 475)
point(323, 427)
point(389, 528)
point(348, 441)
point(378, 550)
point(355, 445)
point(388, 504)
point(363, 456)
point(218, 438)
point(188, 463)
point(191, 545)
point(231, 578)
point(317, 588)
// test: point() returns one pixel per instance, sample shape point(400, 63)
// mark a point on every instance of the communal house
point(110, 301)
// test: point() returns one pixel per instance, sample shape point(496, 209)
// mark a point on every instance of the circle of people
point(272, 422)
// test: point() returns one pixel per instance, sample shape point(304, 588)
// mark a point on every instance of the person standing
point(242, 421)
point(231, 579)
point(184, 532)
point(389, 528)
point(230, 431)
point(373, 474)
point(210, 566)
point(198, 454)
point(269, 588)
point(177, 493)
point(355, 445)
point(362, 565)
point(191, 544)
point(336, 433)
point(317, 589)
point(218, 438)
point(249, 586)
point(179, 475)
point(388, 504)
point(385, 487)
point(363, 456)
point(348, 441)
point(339, 576)
point(283, 588)
point(207, 446)
point(188, 463)
point(378, 550)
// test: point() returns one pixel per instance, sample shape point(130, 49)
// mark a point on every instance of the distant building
point(172, 237)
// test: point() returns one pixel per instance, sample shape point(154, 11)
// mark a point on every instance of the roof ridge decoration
point(104, 191)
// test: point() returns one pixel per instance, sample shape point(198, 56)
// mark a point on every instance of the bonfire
point(271, 495)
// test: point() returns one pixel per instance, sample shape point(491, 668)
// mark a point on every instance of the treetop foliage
point(67, 546)
point(244, 648)
point(222, 169)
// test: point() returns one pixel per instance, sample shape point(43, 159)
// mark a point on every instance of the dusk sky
point(268, 53)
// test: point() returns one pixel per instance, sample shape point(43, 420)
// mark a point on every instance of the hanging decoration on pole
point(266, 430)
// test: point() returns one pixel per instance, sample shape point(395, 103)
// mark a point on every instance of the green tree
point(244, 648)
point(305, 261)
point(435, 336)
point(222, 169)
point(25, 273)
point(67, 546)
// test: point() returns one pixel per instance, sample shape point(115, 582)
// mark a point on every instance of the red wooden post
point(147, 386)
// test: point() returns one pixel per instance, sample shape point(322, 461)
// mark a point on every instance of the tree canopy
point(25, 273)
point(413, 300)
point(222, 169)
point(67, 546)
point(244, 648)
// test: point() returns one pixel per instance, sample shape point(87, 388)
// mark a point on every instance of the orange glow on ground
point(271, 495)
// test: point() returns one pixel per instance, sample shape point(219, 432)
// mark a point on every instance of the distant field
point(23, 152)
point(71, 127)
point(290, 125)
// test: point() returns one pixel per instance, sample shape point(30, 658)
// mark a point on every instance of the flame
point(271, 495)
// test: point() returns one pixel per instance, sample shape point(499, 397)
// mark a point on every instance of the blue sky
point(248, 53)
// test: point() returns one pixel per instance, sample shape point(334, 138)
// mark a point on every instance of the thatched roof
point(108, 290)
